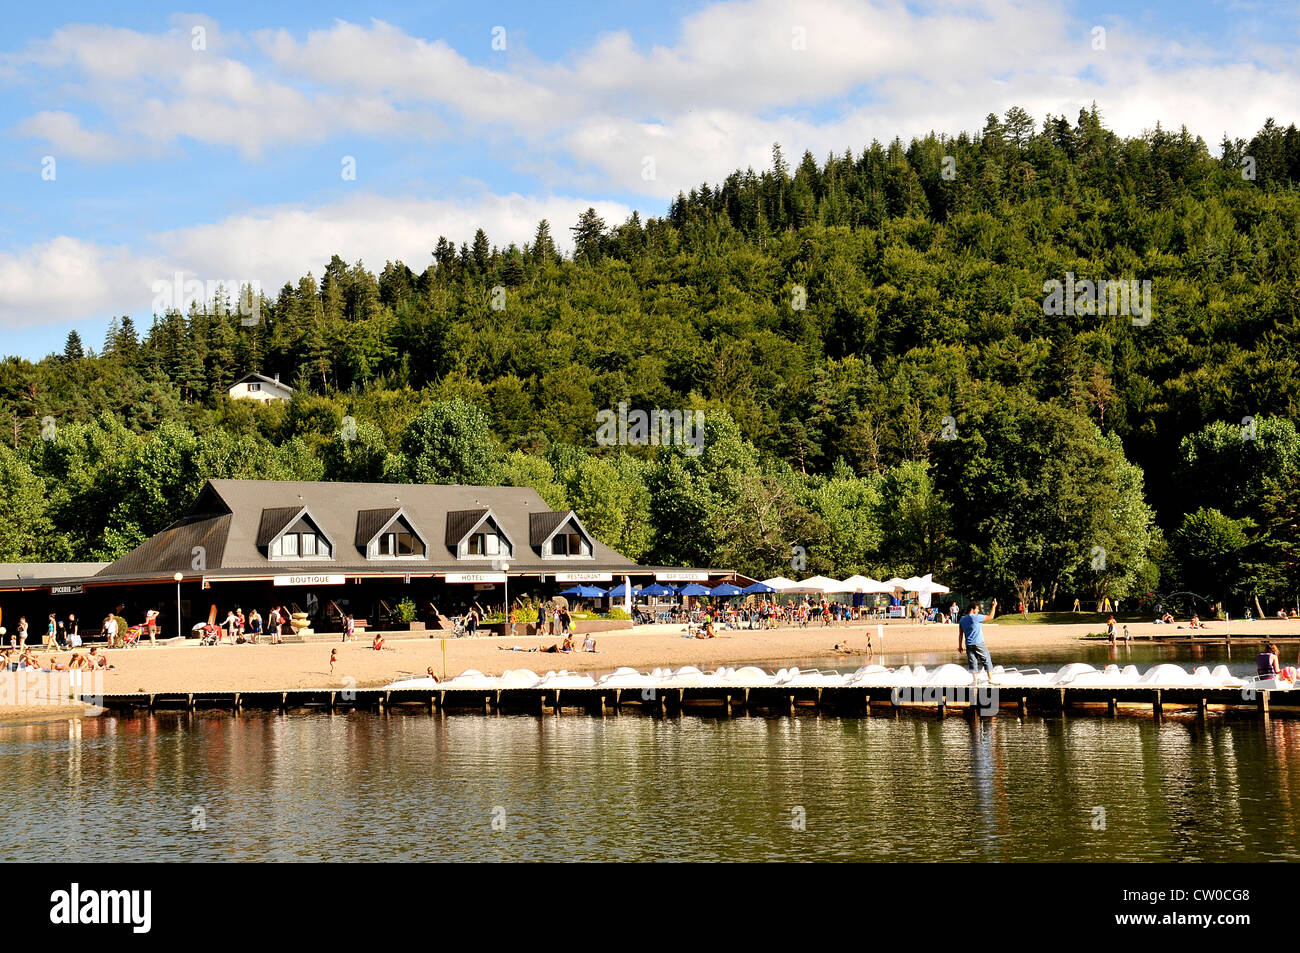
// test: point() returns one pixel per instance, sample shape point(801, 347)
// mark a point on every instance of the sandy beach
point(189, 667)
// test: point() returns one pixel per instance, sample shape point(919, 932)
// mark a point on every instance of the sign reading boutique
point(309, 580)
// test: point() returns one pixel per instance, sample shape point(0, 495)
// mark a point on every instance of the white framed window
point(289, 544)
point(309, 544)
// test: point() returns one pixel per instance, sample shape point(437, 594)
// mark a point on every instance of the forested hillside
point(884, 390)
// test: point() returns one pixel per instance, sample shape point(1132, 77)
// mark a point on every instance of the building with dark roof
point(356, 548)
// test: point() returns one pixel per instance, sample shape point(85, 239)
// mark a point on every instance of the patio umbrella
point(619, 591)
point(694, 589)
point(584, 592)
point(757, 589)
point(726, 590)
point(658, 589)
point(819, 584)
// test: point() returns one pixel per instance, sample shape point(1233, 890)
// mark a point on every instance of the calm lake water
point(413, 786)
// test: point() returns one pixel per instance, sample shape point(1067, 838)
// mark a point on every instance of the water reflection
point(417, 786)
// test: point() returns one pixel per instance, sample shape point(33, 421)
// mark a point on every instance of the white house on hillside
point(258, 387)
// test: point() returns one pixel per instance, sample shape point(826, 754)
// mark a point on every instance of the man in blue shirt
point(970, 638)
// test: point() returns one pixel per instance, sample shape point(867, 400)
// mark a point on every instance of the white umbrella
point(780, 583)
point(822, 584)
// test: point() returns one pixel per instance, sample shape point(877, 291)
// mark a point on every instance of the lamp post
point(180, 624)
point(505, 567)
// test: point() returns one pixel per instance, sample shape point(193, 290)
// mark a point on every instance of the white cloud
point(819, 74)
point(67, 279)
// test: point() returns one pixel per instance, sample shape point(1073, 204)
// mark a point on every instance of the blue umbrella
point(584, 592)
point(726, 589)
point(757, 589)
point(619, 591)
point(694, 589)
point(658, 589)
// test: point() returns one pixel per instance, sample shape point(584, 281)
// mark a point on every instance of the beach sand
point(187, 667)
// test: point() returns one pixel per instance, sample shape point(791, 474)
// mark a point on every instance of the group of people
point(25, 660)
point(59, 633)
point(250, 629)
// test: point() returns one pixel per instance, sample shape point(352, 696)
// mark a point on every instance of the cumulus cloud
point(819, 74)
point(68, 279)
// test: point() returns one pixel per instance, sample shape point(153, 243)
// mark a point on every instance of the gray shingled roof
point(231, 541)
point(542, 525)
point(460, 522)
point(370, 522)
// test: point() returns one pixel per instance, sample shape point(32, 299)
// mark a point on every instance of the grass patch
point(1067, 618)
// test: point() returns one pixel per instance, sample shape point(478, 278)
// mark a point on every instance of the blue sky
point(212, 143)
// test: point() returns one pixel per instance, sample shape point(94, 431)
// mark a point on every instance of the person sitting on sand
point(378, 642)
point(1196, 622)
point(707, 631)
point(550, 648)
point(1167, 618)
point(589, 643)
point(98, 661)
point(568, 644)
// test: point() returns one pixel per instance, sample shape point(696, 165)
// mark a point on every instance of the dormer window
point(568, 544)
point(560, 535)
point(292, 533)
point(388, 533)
point(476, 534)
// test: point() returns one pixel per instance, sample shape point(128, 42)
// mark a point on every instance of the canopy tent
point(820, 584)
point(694, 589)
point(757, 589)
point(780, 584)
point(658, 589)
point(865, 584)
point(584, 592)
point(620, 591)
point(725, 590)
point(896, 583)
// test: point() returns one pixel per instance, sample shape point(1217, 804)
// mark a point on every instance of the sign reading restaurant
point(310, 580)
point(584, 577)
point(476, 577)
point(682, 575)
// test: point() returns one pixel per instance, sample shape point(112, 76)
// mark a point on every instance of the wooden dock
point(717, 701)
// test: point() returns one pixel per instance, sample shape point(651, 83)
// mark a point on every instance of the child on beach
point(334, 657)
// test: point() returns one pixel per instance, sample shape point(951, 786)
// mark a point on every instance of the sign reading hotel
point(310, 580)
point(584, 577)
point(476, 577)
point(682, 575)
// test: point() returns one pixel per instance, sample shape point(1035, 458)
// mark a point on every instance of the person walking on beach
point(970, 638)
point(1110, 629)
point(334, 657)
point(110, 630)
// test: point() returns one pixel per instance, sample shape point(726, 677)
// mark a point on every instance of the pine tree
point(72, 348)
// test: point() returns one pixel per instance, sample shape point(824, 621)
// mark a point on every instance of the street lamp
point(180, 625)
point(505, 567)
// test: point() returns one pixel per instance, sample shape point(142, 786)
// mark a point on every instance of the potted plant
point(405, 614)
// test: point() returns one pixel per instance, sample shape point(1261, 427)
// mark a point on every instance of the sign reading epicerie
point(310, 580)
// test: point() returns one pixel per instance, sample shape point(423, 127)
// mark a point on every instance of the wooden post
point(1262, 703)
point(1024, 705)
point(284, 701)
point(1112, 707)
point(1062, 693)
point(1202, 708)
point(151, 697)
point(1157, 706)
point(238, 704)
point(727, 705)
point(557, 701)
point(618, 700)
